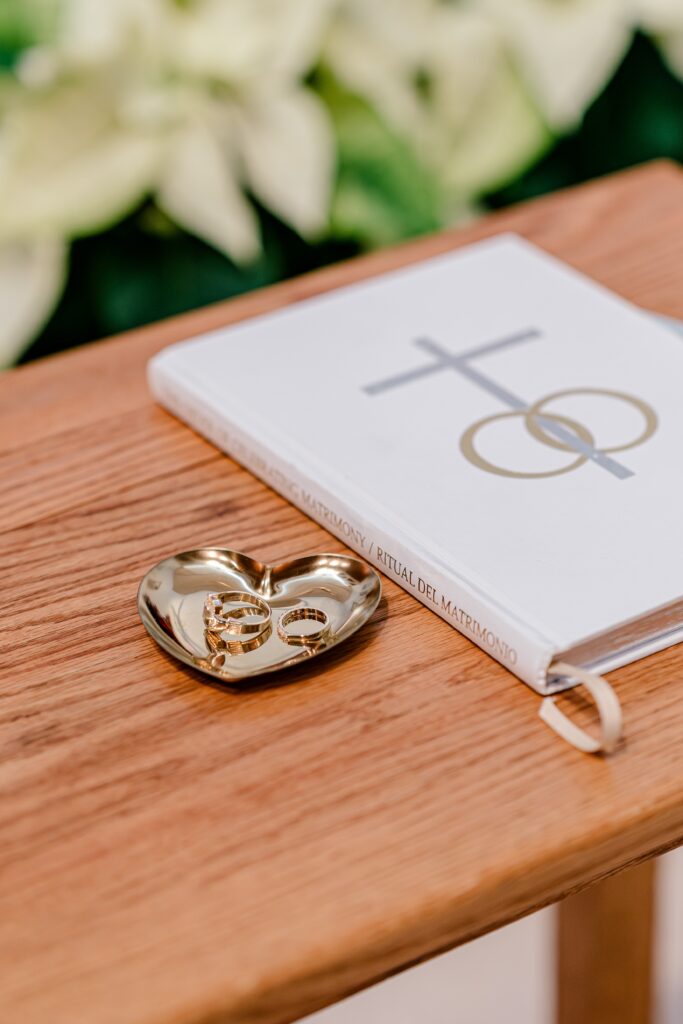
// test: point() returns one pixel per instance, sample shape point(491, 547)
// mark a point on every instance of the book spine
point(460, 605)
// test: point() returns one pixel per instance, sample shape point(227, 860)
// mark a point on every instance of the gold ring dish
point(232, 617)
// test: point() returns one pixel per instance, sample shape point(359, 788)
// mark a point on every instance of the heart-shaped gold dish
point(337, 592)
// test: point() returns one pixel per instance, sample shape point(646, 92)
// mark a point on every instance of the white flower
point(566, 49)
point(69, 164)
point(32, 275)
point(657, 15)
point(485, 129)
point(245, 43)
point(441, 76)
point(192, 106)
point(672, 47)
point(224, 75)
point(664, 19)
point(375, 50)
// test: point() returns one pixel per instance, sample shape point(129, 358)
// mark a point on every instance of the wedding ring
point(301, 615)
point(221, 619)
point(220, 647)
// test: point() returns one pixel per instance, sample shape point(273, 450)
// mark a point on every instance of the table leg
point(605, 947)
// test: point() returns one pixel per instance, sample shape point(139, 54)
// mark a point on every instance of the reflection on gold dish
point(214, 609)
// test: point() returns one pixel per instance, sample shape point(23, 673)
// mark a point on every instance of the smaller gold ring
point(301, 615)
point(218, 619)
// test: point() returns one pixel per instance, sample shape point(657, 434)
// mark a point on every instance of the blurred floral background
point(158, 155)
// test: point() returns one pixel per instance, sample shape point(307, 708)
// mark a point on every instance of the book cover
point(491, 429)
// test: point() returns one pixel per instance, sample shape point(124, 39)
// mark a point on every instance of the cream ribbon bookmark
point(606, 701)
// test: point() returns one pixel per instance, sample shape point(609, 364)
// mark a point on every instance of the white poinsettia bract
point(205, 106)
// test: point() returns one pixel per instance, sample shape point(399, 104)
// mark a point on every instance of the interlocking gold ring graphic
point(535, 417)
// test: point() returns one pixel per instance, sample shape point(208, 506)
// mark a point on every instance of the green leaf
point(24, 23)
point(383, 193)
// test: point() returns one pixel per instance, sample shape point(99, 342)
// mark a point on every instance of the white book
point(495, 432)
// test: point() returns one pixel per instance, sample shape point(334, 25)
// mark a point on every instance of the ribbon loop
point(606, 701)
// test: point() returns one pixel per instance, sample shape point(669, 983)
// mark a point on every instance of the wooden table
point(173, 853)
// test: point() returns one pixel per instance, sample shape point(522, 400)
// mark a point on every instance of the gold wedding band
point(301, 615)
point(220, 648)
point(221, 619)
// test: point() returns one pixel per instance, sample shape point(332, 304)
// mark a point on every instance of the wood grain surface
point(173, 853)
